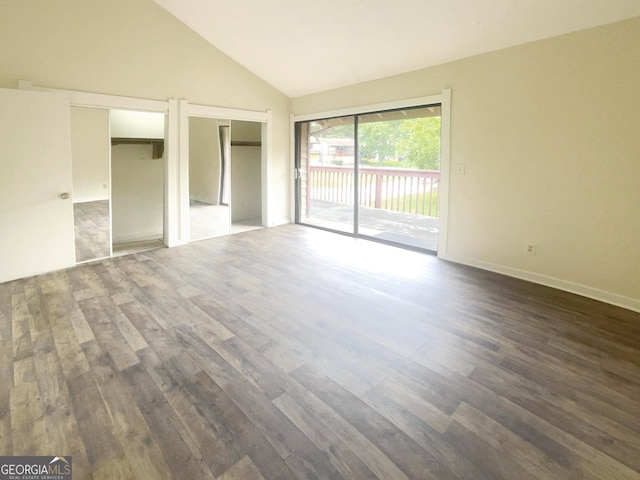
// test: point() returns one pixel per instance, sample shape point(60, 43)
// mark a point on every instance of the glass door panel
point(325, 171)
point(90, 151)
point(388, 160)
point(399, 173)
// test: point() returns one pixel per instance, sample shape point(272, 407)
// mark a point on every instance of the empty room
point(319, 240)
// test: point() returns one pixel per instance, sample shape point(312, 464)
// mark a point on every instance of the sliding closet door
point(36, 209)
point(91, 206)
point(209, 216)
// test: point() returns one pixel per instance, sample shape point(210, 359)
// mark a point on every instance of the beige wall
point(548, 134)
point(134, 124)
point(246, 131)
point(90, 154)
point(136, 49)
point(137, 179)
point(246, 194)
point(136, 194)
point(246, 172)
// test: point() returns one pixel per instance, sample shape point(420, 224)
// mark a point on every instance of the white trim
point(172, 230)
point(139, 237)
point(200, 199)
point(100, 100)
point(207, 111)
point(265, 154)
point(292, 169)
point(110, 187)
point(376, 107)
point(280, 221)
point(182, 179)
point(571, 287)
point(445, 170)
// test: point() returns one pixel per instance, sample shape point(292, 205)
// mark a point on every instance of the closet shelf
point(156, 143)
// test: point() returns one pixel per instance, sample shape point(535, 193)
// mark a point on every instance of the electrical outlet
point(530, 248)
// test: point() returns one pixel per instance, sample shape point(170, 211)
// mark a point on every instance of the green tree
point(419, 145)
point(415, 142)
point(378, 141)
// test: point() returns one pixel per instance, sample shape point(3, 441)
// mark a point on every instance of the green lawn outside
point(412, 203)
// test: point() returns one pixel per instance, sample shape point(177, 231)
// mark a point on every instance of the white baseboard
point(138, 237)
point(89, 199)
point(176, 243)
point(281, 221)
point(203, 200)
point(579, 289)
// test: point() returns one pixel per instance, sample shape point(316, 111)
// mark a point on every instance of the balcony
point(396, 204)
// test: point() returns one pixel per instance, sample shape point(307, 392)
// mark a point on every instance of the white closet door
point(36, 222)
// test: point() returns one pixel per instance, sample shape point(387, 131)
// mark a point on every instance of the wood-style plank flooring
point(289, 353)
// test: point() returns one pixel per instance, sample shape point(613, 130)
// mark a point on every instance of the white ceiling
point(304, 46)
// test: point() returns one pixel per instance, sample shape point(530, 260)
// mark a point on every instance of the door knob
point(64, 196)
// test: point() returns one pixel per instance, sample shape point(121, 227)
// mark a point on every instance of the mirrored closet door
point(225, 176)
point(209, 212)
point(90, 150)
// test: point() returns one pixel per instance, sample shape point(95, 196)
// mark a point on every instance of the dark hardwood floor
point(290, 353)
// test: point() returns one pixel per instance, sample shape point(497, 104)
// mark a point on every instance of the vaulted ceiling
point(302, 46)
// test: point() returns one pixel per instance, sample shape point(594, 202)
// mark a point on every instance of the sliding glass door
point(326, 173)
point(374, 175)
point(399, 163)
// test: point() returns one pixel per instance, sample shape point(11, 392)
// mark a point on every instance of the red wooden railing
point(400, 189)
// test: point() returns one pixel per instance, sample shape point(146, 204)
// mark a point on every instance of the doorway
point(245, 175)
point(137, 180)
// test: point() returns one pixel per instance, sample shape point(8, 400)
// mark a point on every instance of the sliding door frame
point(443, 99)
